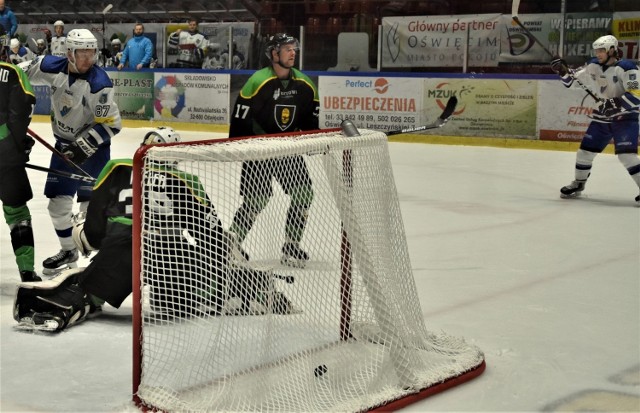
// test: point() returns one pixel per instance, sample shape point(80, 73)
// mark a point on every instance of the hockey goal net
point(350, 335)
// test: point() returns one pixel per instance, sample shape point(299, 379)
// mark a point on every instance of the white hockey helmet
point(81, 39)
point(116, 41)
point(163, 134)
point(14, 44)
point(40, 42)
point(58, 23)
point(606, 42)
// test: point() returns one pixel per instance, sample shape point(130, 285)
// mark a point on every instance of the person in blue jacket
point(8, 20)
point(138, 50)
point(8, 27)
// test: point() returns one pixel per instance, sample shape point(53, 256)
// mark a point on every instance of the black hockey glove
point(28, 145)
point(559, 66)
point(611, 107)
point(80, 150)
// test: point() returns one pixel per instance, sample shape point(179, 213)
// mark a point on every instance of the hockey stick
point(64, 157)
point(61, 173)
point(442, 119)
point(514, 15)
point(35, 45)
point(104, 32)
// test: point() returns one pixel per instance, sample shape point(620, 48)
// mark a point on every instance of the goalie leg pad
point(52, 305)
point(254, 293)
point(80, 239)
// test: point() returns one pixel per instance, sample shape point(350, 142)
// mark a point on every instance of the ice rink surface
point(548, 288)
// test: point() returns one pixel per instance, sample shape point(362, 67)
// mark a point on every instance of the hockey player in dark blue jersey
point(616, 116)
point(84, 119)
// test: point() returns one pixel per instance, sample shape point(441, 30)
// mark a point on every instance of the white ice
point(548, 288)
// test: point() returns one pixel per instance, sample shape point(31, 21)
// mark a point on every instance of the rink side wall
point(529, 111)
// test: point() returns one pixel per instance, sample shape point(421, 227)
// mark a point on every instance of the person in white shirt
point(57, 42)
point(190, 44)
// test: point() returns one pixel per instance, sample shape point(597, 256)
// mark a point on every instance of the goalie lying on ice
point(187, 249)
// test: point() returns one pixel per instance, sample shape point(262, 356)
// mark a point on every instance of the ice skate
point(40, 322)
point(61, 261)
point(29, 276)
point(293, 255)
point(573, 190)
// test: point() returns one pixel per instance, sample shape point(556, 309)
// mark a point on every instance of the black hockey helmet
point(278, 40)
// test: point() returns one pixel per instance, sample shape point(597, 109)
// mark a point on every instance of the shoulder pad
point(627, 65)
point(98, 79)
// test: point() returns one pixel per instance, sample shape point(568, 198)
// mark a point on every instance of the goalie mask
point(163, 134)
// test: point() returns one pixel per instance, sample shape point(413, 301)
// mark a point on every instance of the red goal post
point(352, 337)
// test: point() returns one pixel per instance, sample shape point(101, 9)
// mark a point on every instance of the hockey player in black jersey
point(188, 274)
point(276, 99)
point(16, 106)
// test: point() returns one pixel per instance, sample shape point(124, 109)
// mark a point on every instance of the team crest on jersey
point(284, 115)
point(66, 103)
point(103, 98)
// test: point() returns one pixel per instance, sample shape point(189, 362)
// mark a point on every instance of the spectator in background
point(212, 59)
point(8, 27)
point(237, 58)
point(115, 54)
point(8, 20)
point(190, 45)
point(57, 44)
point(18, 53)
point(138, 50)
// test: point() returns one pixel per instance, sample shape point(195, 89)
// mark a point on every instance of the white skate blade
point(571, 196)
point(52, 272)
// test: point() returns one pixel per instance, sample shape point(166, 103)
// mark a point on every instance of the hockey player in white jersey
point(18, 53)
point(84, 119)
point(57, 44)
point(190, 44)
point(616, 116)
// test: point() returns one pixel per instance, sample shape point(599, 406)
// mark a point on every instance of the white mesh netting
point(341, 331)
